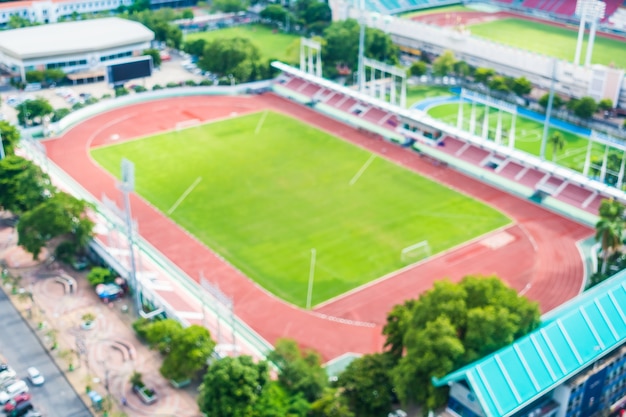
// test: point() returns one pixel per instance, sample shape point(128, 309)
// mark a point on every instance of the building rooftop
point(569, 339)
point(72, 37)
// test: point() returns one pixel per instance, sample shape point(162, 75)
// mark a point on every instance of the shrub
point(190, 83)
point(99, 275)
point(65, 252)
point(157, 87)
point(172, 85)
point(139, 326)
point(136, 380)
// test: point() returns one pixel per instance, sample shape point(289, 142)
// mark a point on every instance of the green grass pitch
point(528, 133)
point(550, 40)
point(272, 45)
point(263, 189)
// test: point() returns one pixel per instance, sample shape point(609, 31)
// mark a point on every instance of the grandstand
point(516, 171)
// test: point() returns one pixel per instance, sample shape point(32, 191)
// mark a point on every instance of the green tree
point(367, 386)
point(195, 47)
point(499, 83)
point(609, 235)
point(232, 387)
point(452, 325)
point(522, 86)
point(611, 210)
point(16, 22)
point(61, 215)
point(99, 275)
point(10, 137)
point(23, 185)
point(53, 75)
point(60, 113)
point(444, 64)
point(187, 14)
point(299, 372)
point(189, 352)
point(161, 334)
point(230, 6)
point(418, 68)
point(274, 13)
point(33, 111)
point(483, 75)
point(34, 76)
point(557, 101)
point(330, 404)
point(155, 54)
point(585, 107)
point(398, 320)
point(557, 142)
point(236, 56)
point(462, 69)
point(605, 104)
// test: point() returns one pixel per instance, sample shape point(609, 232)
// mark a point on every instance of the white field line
point(185, 194)
point(260, 124)
point(362, 170)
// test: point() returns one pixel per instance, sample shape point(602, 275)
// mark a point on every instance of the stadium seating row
point(530, 177)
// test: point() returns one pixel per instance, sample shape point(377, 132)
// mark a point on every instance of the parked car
point(12, 404)
point(12, 391)
point(35, 376)
point(21, 409)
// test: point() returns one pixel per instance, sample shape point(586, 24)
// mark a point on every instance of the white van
point(12, 391)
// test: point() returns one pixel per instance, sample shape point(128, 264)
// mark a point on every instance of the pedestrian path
point(102, 358)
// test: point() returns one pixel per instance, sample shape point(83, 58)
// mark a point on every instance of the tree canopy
point(23, 185)
point(367, 386)
point(233, 387)
point(449, 326)
point(33, 111)
point(237, 57)
point(444, 63)
point(10, 137)
point(341, 45)
point(61, 215)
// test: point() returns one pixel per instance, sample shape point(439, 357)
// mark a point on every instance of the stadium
point(304, 209)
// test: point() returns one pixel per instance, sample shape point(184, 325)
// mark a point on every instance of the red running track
point(540, 258)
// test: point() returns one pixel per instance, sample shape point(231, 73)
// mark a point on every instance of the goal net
point(416, 252)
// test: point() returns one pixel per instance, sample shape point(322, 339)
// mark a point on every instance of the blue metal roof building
point(556, 364)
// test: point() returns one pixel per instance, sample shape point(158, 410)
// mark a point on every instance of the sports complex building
point(82, 49)
point(573, 365)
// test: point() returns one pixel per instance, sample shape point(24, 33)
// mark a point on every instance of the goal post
point(416, 252)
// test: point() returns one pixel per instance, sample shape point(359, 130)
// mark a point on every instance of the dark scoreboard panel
point(122, 72)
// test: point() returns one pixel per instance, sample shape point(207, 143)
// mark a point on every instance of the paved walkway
point(104, 356)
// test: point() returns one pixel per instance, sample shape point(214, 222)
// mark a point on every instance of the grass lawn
point(528, 133)
point(269, 188)
point(417, 93)
point(280, 46)
point(550, 40)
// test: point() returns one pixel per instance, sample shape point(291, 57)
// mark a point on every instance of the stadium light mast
point(598, 9)
point(546, 123)
point(127, 185)
point(361, 68)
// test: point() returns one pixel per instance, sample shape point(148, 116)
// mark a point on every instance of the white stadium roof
point(72, 37)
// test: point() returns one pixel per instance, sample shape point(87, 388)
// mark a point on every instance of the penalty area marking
point(185, 194)
point(260, 124)
point(362, 170)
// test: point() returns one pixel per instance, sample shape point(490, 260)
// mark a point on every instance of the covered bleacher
point(446, 142)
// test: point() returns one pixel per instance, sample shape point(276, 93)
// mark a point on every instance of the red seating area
point(510, 170)
point(374, 115)
point(612, 6)
point(532, 178)
point(574, 195)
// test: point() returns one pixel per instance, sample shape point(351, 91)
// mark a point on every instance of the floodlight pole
point(546, 123)
point(311, 278)
point(361, 69)
point(127, 186)
point(1, 149)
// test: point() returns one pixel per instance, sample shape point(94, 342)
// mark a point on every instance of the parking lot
point(22, 349)
point(66, 96)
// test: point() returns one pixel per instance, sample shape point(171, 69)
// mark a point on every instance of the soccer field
point(550, 40)
point(528, 133)
point(263, 190)
point(272, 45)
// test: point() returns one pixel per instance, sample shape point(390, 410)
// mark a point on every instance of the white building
point(82, 47)
point(50, 11)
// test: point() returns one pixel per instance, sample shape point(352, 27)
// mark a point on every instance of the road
point(22, 349)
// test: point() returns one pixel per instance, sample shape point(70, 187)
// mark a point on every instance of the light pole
point(546, 123)
point(361, 68)
point(311, 278)
point(1, 149)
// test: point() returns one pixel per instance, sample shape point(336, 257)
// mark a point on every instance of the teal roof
point(569, 339)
